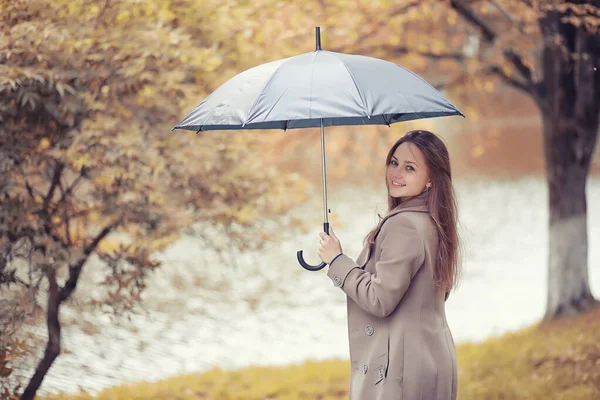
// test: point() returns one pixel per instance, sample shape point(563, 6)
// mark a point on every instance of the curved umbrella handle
point(307, 266)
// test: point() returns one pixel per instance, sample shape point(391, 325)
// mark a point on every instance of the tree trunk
point(569, 100)
point(53, 345)
point(568, 286)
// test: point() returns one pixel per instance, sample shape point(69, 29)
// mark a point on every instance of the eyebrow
point(406, 162)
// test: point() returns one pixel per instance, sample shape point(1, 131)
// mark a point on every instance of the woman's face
point(407, 175)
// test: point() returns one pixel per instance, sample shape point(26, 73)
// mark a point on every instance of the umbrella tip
point(318, 37)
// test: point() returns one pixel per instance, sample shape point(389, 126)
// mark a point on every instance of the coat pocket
point(378, 366)
point(377, 369)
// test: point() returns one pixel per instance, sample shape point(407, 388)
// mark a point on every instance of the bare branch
point(21, 282)
point(391, 49)
point(494, 69)
point(404, 10)
point(68, 231)
point(488, 33)
point(503, 11)
point(55, 181)
point(490, 36)
point(65, 193)
point(78, 214)
point(75, 269)
point(528, 3)
point(517, 61)
point(6, 278)
point(29, 190)
point(508, 16)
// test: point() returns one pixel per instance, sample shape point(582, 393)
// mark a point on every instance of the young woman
point(400, 344)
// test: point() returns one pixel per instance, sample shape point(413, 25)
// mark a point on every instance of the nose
point(397, 178)
point(396, 174)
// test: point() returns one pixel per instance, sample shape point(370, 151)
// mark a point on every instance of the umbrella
point(318, 89)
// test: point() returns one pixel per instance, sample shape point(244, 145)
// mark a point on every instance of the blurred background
point(168, 253)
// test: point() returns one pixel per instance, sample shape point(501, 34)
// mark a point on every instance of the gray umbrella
point(318, 89)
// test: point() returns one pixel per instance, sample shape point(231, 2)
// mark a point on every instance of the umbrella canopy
point(318, 89)
point(300, 91)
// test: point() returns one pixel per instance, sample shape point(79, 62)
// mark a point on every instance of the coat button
point(365, 369)
point(337, 281)
point(369, 330)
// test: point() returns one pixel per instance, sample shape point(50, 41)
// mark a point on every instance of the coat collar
point(418, 203)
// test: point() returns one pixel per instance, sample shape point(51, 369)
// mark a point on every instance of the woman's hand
point(330, 246)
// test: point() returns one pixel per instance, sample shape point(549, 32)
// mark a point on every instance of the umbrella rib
point(210, 114)
point(262, 91)
point(357, 89)
point(274, 104)
point(410, 105)
point(312, 75)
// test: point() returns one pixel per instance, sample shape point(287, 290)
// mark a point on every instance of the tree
point(88, 165)
point(564, 82)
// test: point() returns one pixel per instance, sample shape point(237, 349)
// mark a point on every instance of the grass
point(557, 360)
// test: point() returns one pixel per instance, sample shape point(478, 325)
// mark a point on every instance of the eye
point(394, 163)
point(409, 168)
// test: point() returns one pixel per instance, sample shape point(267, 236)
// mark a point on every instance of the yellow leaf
point(44, 144)
point(81, 161)
point(123, 16)
point(109, 245)
point(146, 91)
point(166, 15)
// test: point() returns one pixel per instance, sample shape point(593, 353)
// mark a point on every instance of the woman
point(400, 343)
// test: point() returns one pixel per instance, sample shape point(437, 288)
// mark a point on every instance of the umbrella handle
point(306, 265)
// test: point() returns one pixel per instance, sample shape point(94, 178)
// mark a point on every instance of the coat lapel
point(415, 204)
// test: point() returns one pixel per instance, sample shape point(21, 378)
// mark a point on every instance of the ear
point(428, 184)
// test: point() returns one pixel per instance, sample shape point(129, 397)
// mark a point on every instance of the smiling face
point(407, 174)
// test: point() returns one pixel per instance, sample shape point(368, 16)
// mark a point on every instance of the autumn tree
point(559, 70)
point(88, 165)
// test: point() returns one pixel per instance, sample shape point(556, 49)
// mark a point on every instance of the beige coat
point(400, 345)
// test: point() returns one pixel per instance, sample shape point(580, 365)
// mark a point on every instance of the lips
point(397, 184)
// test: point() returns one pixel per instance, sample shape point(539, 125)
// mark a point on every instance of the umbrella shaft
point(325, 210)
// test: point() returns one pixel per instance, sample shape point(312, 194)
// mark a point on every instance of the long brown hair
point(442, 205)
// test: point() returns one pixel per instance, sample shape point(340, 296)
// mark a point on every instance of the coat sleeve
point(402, 254)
